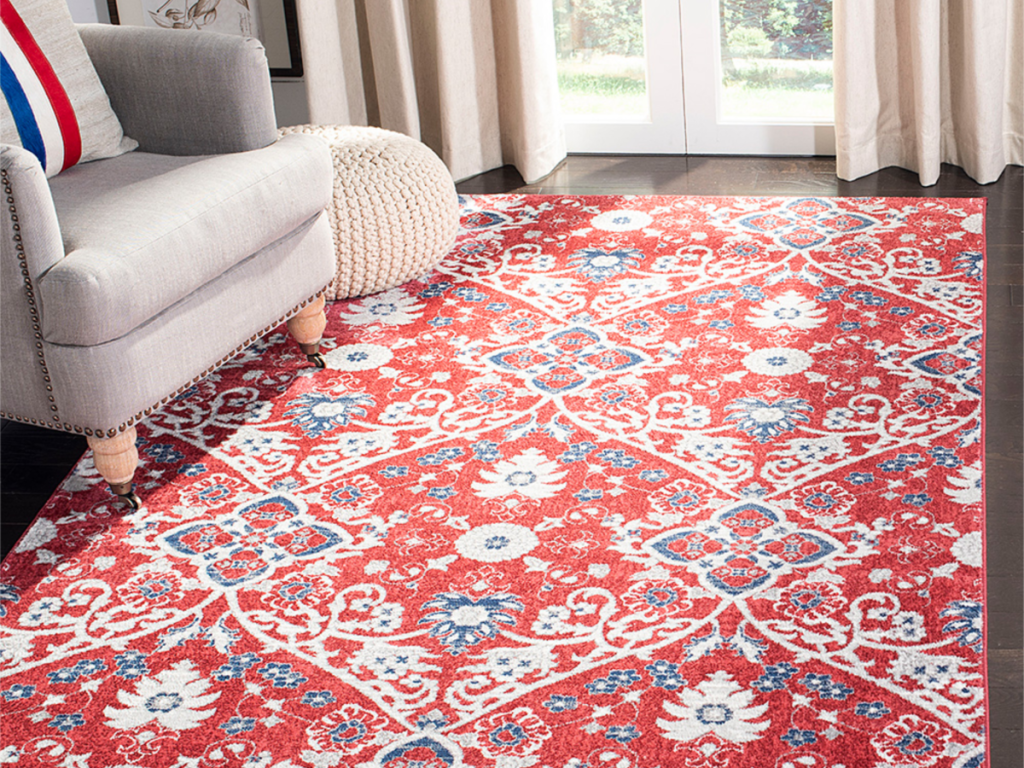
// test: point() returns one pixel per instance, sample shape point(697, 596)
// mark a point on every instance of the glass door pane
point(620, 75)
point(602, 66)
point(758, 77)
point(776, 60)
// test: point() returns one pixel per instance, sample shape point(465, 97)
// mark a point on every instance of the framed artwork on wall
point(273, 22)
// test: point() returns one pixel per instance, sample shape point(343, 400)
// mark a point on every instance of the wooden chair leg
point(307, 328)
point(116, 459)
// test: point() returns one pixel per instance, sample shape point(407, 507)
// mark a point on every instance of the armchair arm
point(184, 92)
point(30, 228)
point(30, 243)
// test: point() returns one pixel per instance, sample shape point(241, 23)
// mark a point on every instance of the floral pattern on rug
point(626, 481)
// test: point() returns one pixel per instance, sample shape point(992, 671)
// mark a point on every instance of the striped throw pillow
point(54, 104)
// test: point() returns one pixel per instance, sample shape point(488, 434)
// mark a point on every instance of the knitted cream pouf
point(395, 212)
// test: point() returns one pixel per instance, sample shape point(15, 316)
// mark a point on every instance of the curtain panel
point(474, 80)
point(924, 82)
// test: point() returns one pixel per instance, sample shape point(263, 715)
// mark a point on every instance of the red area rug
point(627, 481)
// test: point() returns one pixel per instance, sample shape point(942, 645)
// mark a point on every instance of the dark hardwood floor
point(34, 461)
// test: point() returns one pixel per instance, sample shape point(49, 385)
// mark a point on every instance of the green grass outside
point(591, 96)
point(585, 94)
point(742, 103)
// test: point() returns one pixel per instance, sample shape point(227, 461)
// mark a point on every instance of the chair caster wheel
point(317, 359)
point(132, 500)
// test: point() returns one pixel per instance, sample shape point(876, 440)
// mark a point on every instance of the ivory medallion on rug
point(626, 481)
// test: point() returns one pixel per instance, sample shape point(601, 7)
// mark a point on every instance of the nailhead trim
point(29, 289)
point(142, 414)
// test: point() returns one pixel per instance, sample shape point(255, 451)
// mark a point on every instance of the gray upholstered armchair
point(126, 280)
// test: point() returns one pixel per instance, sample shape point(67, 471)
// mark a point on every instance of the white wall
point(89, 11)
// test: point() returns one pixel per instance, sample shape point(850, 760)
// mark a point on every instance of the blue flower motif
point(753, 491)
point(9, 594)
point(721, 325)
point(237, 725)
point(617, 457)
point(576, 452)
point(636, 325)
point(900, 463)
point(131, 665)
point(848, 325)
point(442, 493)
point(916, 499)
point(860, 478)
point(653, 475)
point(932, 329)
point(281, 675)
point(65, 723)
point(434, 290)
point(751, 293)
point(928, 400)
point(560, 703)
point(968, 622)
point(497, 306)
point(674, 309)
point(825, 687)
point(713, 297)
point(507, 735)
point(460, 621)
point(622, 733)
point(915, 743)
point(88, 667)
point(432, 721)
point(17, 691)
point(775, 677)
point(617, 678)
point(83, 668)
point(471, 295)
point(944, 457)
point(317, 413)
point(440, 457)
point(765, 421)
point(192, 470)
point(819, 501)
point(392, 471)
point(164, 453)
point(236, 667)
point(666, 675)
point(583, 495)
point(831, 293)
point(873, 710)
point(970, 263)
point(485, 450)
point(683, 499)
point(797, 738)
point(901, 311)
point(598, 265)
point(439, 321)
point(869, 299)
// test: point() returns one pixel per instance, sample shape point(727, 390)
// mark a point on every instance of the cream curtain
point(473, 79)
point(924, 82)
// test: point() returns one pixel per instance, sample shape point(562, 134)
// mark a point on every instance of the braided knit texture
point(395, 212)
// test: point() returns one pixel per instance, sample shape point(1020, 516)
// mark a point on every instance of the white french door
point(645, 113)
point(704, 76)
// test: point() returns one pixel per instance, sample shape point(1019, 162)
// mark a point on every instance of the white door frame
point(707, 133)
point(684, 69)
point(663, 131)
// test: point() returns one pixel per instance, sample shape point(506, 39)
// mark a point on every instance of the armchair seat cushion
point(142, 231)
